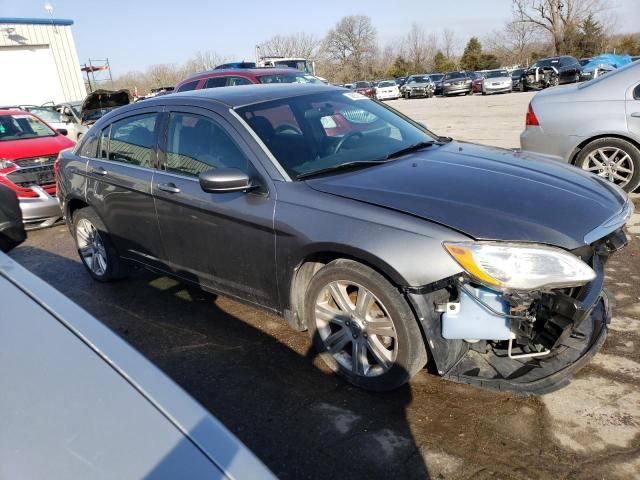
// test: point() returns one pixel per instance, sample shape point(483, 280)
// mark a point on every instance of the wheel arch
point(314, 258)
point(576, 151)
point(72, 205)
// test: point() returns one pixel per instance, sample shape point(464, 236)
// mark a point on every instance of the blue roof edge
point(36, 21)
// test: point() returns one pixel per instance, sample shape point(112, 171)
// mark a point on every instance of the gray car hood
point(486, 193)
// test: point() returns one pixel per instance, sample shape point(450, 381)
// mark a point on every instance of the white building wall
point(60, 41)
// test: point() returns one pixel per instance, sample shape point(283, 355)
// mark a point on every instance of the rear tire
point(614, 159)
point(377, 344)
point(95, 247)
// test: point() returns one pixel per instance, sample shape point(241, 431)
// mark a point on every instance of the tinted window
point(235, 81)
point(188, 86)
point(289, 78)
point(131, 140)
point(215, 82)
point(196, 144)
point(386, 84)
point(636, 92)
point(453, 75)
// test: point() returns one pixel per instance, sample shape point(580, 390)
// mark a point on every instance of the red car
point(365, 88)
point(234, 77)
point(28, 150)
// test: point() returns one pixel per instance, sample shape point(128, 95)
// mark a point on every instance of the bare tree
point(449, 43)
point(351, 44)
point(296, 45)
point(560, 18)
point(420, 48)
point(205, 60)
point(515, 44)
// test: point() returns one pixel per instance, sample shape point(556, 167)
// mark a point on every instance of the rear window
point(188, 86)
point(386, 84)
point(449, 76)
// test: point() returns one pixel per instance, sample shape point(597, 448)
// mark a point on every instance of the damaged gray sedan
point(390, 245)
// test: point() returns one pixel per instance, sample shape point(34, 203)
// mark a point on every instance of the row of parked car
point(544, 73)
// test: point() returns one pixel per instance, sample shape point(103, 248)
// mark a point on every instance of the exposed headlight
point(512, 266)
point(6, 164)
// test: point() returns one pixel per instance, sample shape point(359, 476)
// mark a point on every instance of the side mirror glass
point(221, 180)
point(63, 131)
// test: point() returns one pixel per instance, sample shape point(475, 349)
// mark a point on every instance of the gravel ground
point(267, 386)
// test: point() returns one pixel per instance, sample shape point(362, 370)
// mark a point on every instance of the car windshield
point(437, 77)
point(288, 78)
point(301, 65)
point(547, 62)
point(362, 85)
point(321, 131)
point(47, 114)
point(417, 79)
point(496, 74)
point(452, 75)
point(23, 126)
point(518, 72)
point(94, 115)
point(386, 84)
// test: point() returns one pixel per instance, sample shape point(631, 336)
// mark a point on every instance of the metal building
point(38, 62)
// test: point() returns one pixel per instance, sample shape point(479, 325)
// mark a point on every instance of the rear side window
point(215, 82)
point(188, 86)
point(196, 144)
point(235, 81)
point(89, 147)
point(131, 140)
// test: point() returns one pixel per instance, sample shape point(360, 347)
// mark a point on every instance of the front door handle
point(168, 187)
point(98, 171)
point(635, 114)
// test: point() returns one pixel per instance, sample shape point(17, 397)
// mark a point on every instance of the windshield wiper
point(411, 148)
point(342, 166)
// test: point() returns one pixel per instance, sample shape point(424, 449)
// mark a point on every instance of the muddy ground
point(267, 386)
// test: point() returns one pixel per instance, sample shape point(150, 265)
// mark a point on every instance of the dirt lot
point(267, 386)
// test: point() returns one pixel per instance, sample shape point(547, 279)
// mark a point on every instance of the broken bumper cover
point(576, 330)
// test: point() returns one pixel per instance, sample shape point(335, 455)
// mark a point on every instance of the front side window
point(215, 82)
point(314, 132)
point(23, 126)
point(188, 86)
point(131, 140)
point(293, 77)
point(236, 81)
point(196, 144)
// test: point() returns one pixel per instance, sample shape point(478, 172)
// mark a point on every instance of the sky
point(135, 34)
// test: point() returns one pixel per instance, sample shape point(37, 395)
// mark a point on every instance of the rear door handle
point(99, 171)
point(635, 114)
point(168, 187)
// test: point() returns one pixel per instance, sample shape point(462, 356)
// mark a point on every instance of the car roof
point(248, 94)
point(15, 111)
point(252, 72)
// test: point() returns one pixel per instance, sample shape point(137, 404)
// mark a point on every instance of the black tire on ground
point(523, 87)
point(407, 95)
point(411, 351)
point(115, 267)
point(613, 142)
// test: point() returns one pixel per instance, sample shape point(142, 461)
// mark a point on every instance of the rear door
point(119, 183)
point(224, 241)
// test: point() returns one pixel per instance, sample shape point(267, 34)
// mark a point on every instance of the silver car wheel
point(611, 163)
point(356, 328)
point(91, 247)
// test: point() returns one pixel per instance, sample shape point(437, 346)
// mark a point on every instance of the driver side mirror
point(63, 131)
point(221, 180)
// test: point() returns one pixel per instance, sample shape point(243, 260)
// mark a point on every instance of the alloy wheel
point(91, 247)
point(611, 163)
point(356, 328)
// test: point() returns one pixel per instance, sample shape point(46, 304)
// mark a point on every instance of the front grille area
point(30, 176)
point(36, 161)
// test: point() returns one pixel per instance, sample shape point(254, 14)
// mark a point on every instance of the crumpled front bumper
point(575, 328)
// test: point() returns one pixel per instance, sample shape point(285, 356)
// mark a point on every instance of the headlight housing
point(6, 164)
point(513, 266)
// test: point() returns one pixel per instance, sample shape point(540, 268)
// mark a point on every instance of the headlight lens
point(512, 266)
point(6, 164)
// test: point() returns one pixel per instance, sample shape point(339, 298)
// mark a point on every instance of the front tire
point(614, 159)
point(95, 247)
point(363, 327)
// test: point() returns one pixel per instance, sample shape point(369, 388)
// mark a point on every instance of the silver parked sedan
point(594, 125)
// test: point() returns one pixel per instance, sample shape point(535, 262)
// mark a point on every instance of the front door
point(221, 240)
point(633, 110)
